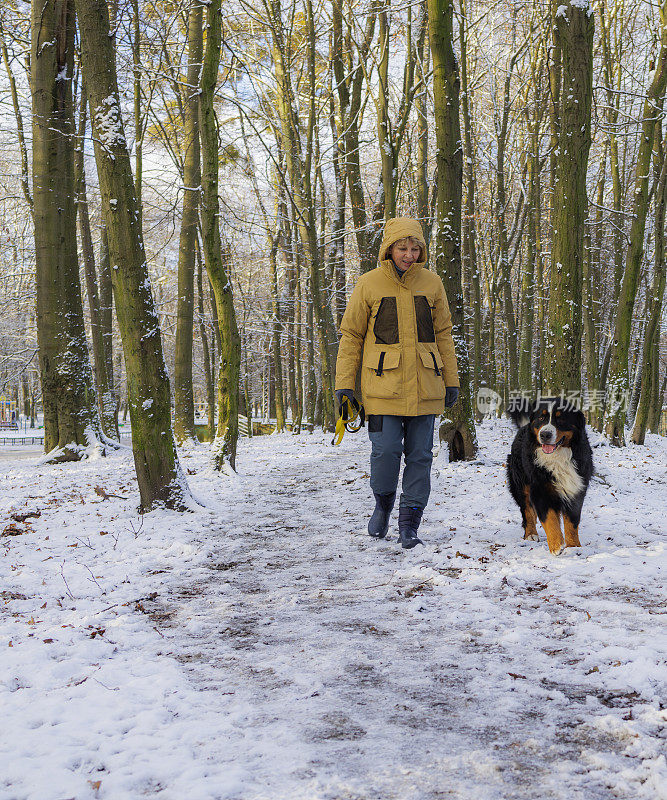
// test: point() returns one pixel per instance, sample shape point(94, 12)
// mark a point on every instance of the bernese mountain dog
point(549, 469)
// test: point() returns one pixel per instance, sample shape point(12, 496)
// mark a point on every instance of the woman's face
point(404, 253)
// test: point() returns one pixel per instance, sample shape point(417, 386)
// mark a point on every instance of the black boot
point(378, 524)
point(408, 523)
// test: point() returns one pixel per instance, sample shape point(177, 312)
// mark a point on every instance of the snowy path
point(276, 651)
point(11, 454)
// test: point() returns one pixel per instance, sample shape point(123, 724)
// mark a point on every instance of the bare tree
point(71, 421)
point(161, 481)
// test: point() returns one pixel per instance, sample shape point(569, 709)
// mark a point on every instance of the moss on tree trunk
point(224, 448)
point(461, 435)
point(71, 420)
point(160, 479)
point(562, 361)
point(650, 362)
point(618, 380)
point(184, 407)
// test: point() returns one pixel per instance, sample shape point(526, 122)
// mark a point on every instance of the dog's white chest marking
point(563, 468)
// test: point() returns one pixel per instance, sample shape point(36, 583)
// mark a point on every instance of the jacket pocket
point(429, 373)
point(385, 327)
point(381, 376)
point(424, 317)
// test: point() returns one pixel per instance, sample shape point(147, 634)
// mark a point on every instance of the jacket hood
point(402, 228)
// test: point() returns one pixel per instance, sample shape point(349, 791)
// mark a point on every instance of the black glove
point(451, 395)
point(341, 394)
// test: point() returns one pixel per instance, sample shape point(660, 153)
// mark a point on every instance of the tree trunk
point(208, 361)
point(461, 435)
point(106, 316)
point(299, 170)
point(650, 365)
point(390, 134)
point(421, 108)
point(656, 401)
point(26, 397)
point(388, 156)
point(612, 73)
point(530, 294)
point(71, 420)
point(298, 339)
point(161, 481)
point(16, 105)
point(285, 239)
point(275, 338)
point(618, 379)
point(184, 407)
point(33, 410)
point(336, 259)
point(504, 265)
point(224, 447)
point(105, 397)
point(273, 242)
point(248, 406)
point(470, 211)
point(591, 288)
point(562, 364)
point(349, 76)
point(138, 122)
point(311, 382)
point(637, 361)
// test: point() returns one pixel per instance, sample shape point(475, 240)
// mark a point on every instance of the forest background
point(219, 176)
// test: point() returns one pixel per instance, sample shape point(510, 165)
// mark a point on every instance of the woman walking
point(397, 326)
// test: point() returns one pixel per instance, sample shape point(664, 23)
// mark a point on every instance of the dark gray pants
point(391, 436)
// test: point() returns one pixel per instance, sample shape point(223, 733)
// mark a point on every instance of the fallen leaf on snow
point(7, 595)
point(101, 492)
point(13, 530)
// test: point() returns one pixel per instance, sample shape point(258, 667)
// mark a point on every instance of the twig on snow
point(94, 579)
point(62, 575)
point(357, 588)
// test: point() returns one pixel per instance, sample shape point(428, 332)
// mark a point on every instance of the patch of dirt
point(356, 626)
point(336, 725)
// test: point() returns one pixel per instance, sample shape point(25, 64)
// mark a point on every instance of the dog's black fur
point(543, 476)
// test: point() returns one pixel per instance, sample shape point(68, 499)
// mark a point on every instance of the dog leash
point(346, 420)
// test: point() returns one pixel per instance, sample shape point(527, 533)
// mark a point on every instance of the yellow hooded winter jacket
point(404, 327)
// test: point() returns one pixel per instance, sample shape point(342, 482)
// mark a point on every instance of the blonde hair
point(405, 240)
point(411, 239)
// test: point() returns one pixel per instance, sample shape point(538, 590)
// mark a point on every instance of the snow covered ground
point(266, 647)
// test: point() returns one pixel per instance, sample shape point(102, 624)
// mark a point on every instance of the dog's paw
point(531, 537)
point(557, 549)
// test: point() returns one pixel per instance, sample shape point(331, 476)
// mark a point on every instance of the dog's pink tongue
point(548, 448)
